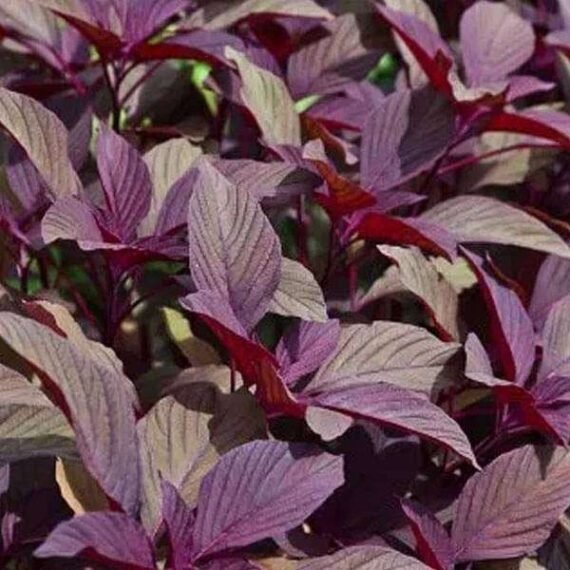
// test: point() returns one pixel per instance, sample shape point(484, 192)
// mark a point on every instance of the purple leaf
point(552, 126)
point(495, 42)
point(552, 284)
point(400, 354)
point(432, 540)
point(364, 558)
point(473, 219)
point(405, 134)
point(168, 164)
point(551, 408)
point(381, 228)
point(419, 276)
point(97, 400)
point(431, 52)
point(234, 251)
point(401, 409)
point(71, 219)
point(226, 13)
point(179, 520)
point(556, 339)
point(44, 138)
point(108, 538)
point(298, 294)
point(126, 183)
point(511, 326)
point(258, 490)
point(510, 508)
point(420, 10)
point(304, 347)
point(267, 98)
point(276, 181)
point(183, 435)
point(325, 66)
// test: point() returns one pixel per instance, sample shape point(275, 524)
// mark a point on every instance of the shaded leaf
point(432, 540)
point(30, 425)
point(364, 558)
point(398, 408)
point(404, 135)
point(419, 276)
point(179, 520)
point(126, 183)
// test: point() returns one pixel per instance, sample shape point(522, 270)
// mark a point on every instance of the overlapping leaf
point(479, 219)
point(510, 508)
point(400, 354)
point(44, 138)
point(234, 252)
point(419, 276)
point(95, 400)
point(258, 490)
point(268, 100)
point(364, 558)
point(30, 425)
point(298, 294)
point(112, 538)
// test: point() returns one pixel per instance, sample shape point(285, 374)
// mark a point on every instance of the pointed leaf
point(184, 435)
point(556, 334)
point(126, 183)
point(429, 237)
point(179, 520)
point(44, 138)
point(419, 276)
point(552, 284)
point(30, 425)
point(433, 542)
point(267, 98)
point(511, 507)
point(261, 489)
point(401, 409)
point(404, 135)
point(110, 538)
point(553, 126)
point(327, 65)
point(298, 294)
point(364, 558)
point(305, 347)
point(167, 163)
point(397, 353)
point(96, 400)
point(511, 327)
point(225, 13)
point(234, 251)
point(431, 52)
point(495, 41)
point(479, 219)
point(421, 11)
